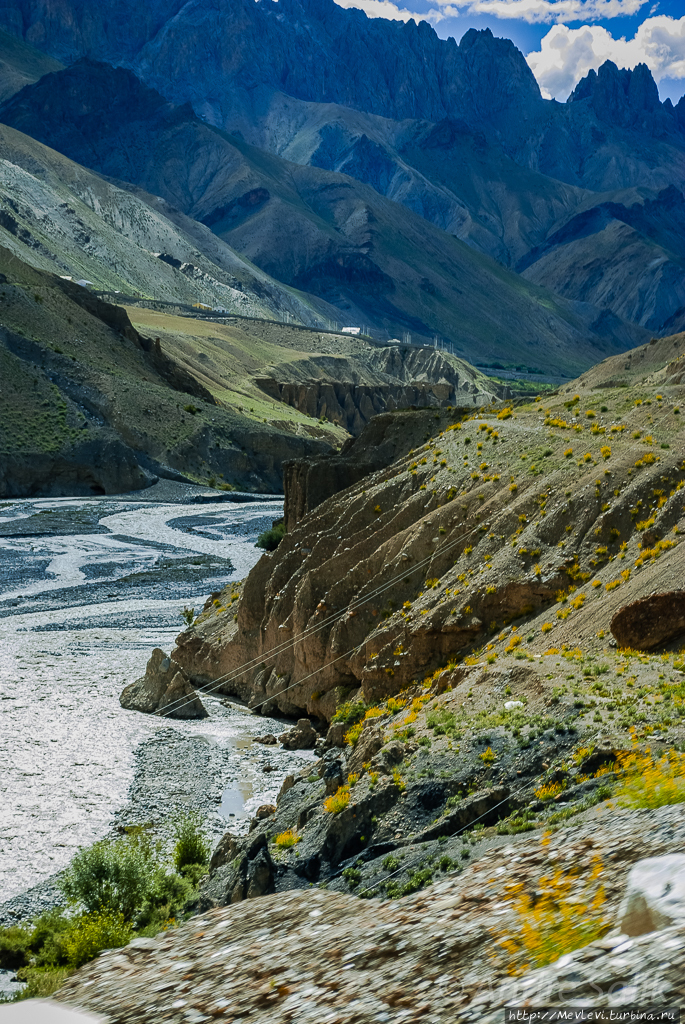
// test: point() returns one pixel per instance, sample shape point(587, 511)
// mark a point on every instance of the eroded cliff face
point(350, 392)
point(491, 520)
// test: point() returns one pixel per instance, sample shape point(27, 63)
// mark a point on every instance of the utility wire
point(312, 630)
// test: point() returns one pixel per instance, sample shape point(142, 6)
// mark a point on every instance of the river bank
point(88, 587)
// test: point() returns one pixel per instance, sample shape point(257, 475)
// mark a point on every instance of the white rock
point(654, 896)
point(511, 704)
point(45, 1011)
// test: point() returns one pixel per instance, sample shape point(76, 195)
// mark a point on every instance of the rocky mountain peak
point(498, 75)
point(619, 96)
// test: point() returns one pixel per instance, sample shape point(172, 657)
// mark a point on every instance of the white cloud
point(532, 11)
point(382, 9)
point(567, 54)
point(541, 11)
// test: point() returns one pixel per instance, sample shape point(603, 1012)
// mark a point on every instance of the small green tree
point(190, 843)
point(112, 877)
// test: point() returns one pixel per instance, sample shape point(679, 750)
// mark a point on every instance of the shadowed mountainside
point(315, 230)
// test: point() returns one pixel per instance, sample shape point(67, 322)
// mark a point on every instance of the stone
point(247, 873)
point(333, 772)
point(368, 744)
point(388, 757)
point(335, 737)
point(165, 689)
point(268, 739)
point(225, 851)
point(302, 737)
point(288, 783)
point(650, 621)
point(655, 895)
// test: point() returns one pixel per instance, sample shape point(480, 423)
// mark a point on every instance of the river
point(88, 587)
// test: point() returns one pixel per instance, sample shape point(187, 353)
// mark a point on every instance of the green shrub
point(15, 947)
point(91, 933)
point(441, 721)
point(113, 877)
point(350, 712)
point(417, 880)
point(190, 843)
point(270, 539)
point(48, 938)
point(352, 876)
point(166, 897)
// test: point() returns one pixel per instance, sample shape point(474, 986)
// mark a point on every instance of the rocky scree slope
point(314, 230)
point(91, 405)
point(441, 953)
point(486, 522)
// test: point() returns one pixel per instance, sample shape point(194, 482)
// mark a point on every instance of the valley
point(342, 503)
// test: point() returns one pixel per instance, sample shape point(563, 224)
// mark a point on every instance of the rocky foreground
point(455, 952)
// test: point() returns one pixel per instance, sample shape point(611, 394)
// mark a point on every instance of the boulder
point(333, 771)
point(335, 737)
point(654, 896)
point(287, 784)
point(262, 812)
point(302, 737)
point(164, 686)
point(651, 621)
point(268, 739)
point(368, 744)
point(388, 757)
point(225, 851)
point(246, 871)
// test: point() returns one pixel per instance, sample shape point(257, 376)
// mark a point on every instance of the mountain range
point(379, 174)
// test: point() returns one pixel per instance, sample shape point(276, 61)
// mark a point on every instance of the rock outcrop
point(655, 895)
point(384, 379)
point(308, 483)
point(164, 689)
point(302, 737)
point(650, 621)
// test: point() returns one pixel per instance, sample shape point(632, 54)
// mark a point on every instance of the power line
point(312, 630)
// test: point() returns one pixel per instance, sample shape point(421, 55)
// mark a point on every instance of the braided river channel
point(88, 587)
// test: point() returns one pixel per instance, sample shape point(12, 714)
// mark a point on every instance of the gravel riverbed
point(88, 587)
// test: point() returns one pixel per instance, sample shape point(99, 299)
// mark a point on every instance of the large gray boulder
point(654, 896)
point(164, 689)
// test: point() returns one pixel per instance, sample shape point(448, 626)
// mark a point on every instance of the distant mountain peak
point(499, 76)
point(619, 95)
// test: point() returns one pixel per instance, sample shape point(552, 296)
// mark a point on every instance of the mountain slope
point(314, 230)
point(21, 65)
point(458, 134)
point(60, 217)
point(89, 404)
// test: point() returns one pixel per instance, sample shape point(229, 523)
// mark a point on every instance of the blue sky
point(562, 39)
